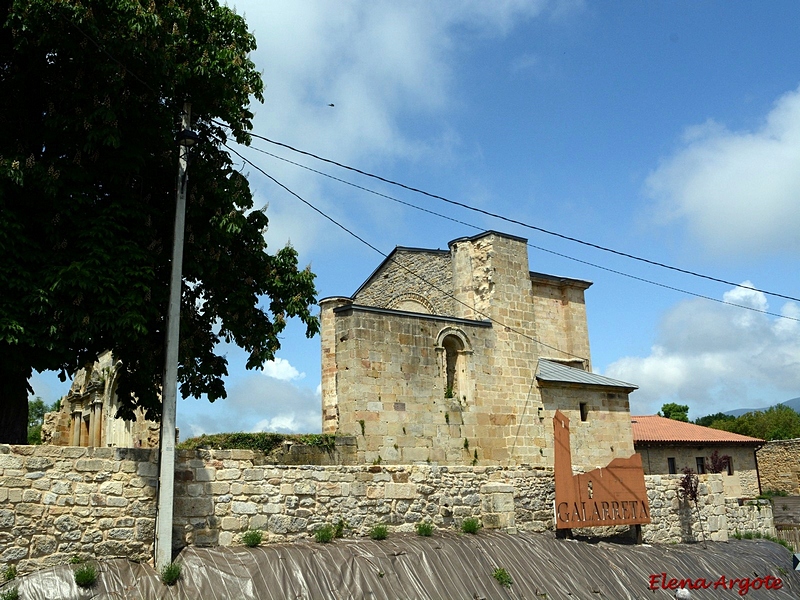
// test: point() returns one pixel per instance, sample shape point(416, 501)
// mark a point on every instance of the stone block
point(400, 490)
point(228, 474)
point(207, 474)
point(193, 507)
point(244, 508)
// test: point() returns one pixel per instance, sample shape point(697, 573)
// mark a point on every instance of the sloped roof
point(652, 428)
point(557, 373)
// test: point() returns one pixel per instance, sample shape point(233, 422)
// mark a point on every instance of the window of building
point(452, 352)
point(584, 411)
point(671, 466)
point(701, 464)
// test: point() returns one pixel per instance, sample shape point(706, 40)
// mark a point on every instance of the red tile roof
point(653, 428)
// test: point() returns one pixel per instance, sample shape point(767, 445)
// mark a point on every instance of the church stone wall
point(56, 501)
point(402, 281)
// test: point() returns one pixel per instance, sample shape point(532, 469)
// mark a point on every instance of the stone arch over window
point(412, 302)
point(454, 348)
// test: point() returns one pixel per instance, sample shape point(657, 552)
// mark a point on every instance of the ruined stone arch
point(454, 349)
point(412, 302)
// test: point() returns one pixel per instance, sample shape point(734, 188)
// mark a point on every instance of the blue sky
point(664, 129)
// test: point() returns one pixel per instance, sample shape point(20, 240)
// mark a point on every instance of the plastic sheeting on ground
point(445, 566)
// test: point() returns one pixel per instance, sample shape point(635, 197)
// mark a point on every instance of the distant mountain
point(794, 404)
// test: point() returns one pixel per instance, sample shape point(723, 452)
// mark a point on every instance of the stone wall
point(779, 466)
point(56, 502)
point(743, 482)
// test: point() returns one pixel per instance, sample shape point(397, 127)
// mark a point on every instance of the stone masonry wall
point(779, 466)
point(56, 502)
point(393, 283)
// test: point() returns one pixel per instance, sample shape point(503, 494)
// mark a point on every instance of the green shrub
point(379, 532)
point(470, 525)
point(10, 594)
point(252, 538)
point(424, 528)
point(76, 559)
point(9, 573)
point(338, 529)
point(502, 577)
point(86, 575)
point(324, 534)
point(170, 574)
point(265, 442)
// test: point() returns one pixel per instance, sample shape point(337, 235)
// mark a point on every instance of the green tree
point(676, 412)
point(36, 411)
point(91, 93)
point(709, 419)
point(776, 423)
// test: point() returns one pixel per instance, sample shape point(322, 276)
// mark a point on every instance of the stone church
point(462, 356)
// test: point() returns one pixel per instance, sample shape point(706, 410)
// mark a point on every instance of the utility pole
point(169, 390)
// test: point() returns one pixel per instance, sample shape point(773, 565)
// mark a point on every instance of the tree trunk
point(13, 401)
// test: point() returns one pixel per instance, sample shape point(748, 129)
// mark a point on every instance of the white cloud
point(378, 63)
point(739, 192)
point(713, 356)
point(281, 369)
point(254, 403)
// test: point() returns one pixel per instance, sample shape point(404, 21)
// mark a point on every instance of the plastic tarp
point(444, 566)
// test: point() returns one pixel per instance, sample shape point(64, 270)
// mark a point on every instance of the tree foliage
point(36, 411)
point(776, 423)
point(709, 419)
point(91, 94)
point(676, 412)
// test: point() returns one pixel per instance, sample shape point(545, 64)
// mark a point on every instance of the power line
point(405, 268)
point(516, 221)
point(559, 254)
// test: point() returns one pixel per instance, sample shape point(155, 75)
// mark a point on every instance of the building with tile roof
point(668, 447)
point(462, 356)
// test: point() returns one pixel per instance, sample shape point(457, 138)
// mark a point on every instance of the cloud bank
point(711, 356)
point(739, 192)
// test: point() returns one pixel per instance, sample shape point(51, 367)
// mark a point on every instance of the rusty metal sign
point(613, 495)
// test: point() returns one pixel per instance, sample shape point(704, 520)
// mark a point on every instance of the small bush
point(10, 594)
point(324, 534)
point(86, 575)
point(502, 577)
point(9, 573)
point(170, 574)
point(470, 525)
point(424, 528)
point(252, 538)
point(379, 532)
point(338, 529)
point(76, 559)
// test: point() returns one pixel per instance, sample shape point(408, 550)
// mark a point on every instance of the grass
point(252, 538)
point(325, 534)
point(757, 535)
point(10, 594)
point(379, 532)
point(502, 577)
point(86, 575)
point(76, 560)
point(170, 574)
point(424, 528)
point(9, 573)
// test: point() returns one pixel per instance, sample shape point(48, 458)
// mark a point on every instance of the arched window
point(453, 348)
point(452, 357)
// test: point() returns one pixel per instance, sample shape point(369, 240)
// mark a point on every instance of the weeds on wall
point(339, 527)
point(757, 535)
point(379, 532)
point(252, 538)
point(86, 575)
point(265, 442)
point(170, 574)
point(324, 534)
point(425, 528)
point(10, 573)
point(502, 577)
point(10, 594)
point(471, 525)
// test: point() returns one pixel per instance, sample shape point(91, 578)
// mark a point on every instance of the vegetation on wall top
point(265, 442)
